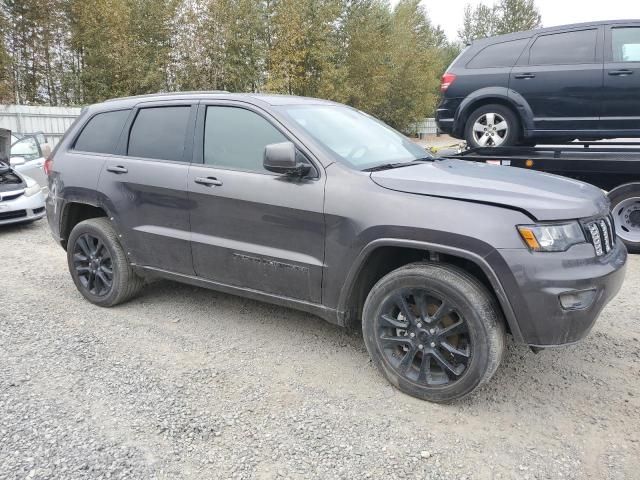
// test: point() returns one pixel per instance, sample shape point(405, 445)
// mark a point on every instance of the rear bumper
point(22, 209)
point(537, 280)
point(446, 114)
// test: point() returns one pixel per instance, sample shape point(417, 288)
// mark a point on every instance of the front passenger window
point(235, 138)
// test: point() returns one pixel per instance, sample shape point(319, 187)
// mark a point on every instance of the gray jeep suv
point(317, 206)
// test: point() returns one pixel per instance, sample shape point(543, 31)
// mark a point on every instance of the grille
point(14, 214)
point(12, 196)
point(38, 210)
point(601, 234)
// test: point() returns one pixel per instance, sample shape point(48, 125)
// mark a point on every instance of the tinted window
point(499, 55)
point(102, 133)
point(159, 132)
point(564, 48)
point(235, 138)
point(625, 43)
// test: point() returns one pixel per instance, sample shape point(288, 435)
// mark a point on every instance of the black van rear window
point(102, 133)
point(503, 54)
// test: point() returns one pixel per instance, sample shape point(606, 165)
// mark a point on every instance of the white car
point(21, 197)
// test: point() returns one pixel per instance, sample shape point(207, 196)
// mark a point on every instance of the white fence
point(52, 121)
point(425, 127)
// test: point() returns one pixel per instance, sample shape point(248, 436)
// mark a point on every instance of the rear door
point(560, 77)
point(252, 228)
point(145, 185)
point(621, 108)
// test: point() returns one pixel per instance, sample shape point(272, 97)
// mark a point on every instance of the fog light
point(578, 300)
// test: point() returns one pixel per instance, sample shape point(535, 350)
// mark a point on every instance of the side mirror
point(17, 161)
point(281, 158)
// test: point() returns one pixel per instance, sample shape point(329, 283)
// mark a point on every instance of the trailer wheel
point(625, 208)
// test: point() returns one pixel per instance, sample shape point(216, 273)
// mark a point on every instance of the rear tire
point(625, 208)
point(492, 125)
point(446, 338)
point(99, 265)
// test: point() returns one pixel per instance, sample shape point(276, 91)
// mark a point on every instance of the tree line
point(386, 61)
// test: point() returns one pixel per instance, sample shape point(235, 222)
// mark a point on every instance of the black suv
point(317, 206)
point(548, 85)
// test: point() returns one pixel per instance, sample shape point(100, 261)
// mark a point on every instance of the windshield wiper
point(387, 166)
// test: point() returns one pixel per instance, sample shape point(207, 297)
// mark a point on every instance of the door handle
point(620, 73)
point(208, 181)
point(524, 75)
point(117, 169)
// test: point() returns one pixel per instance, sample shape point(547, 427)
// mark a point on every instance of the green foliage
point(362, 52)
point(504, 17)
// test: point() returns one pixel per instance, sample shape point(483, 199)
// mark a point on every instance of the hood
point(542, 195)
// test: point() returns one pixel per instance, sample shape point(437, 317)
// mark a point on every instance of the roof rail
point(160, 94)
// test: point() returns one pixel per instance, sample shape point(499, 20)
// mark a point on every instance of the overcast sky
point(448, 13)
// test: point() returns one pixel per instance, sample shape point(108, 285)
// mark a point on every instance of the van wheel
point(433, 331)
point(98, 264)
point(626, 216)
point(492, 126)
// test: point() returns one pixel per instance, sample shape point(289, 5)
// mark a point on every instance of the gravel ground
point(187, 383)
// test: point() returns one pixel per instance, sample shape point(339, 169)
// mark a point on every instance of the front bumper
point(536, 281)
point(22, 209)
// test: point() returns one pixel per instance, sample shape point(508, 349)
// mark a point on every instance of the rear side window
point(503, 54)
point(625, 43)
point(102, 133)
point(235, 138)
point(159, 133)
point(564, 48)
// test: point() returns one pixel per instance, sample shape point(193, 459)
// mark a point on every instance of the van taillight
point(48, 164)
point(447, 80)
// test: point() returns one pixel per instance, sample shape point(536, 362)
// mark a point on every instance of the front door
point(560, 77)
point(146, 186)
point(621, 108)
point(251, 228)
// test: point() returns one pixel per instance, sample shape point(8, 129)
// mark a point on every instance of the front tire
point(492, 126)
point(433, 331)
point(99, 265)
point(625, 208)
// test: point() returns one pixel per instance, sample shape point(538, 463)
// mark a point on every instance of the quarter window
point(625, 43)
point(102, 133)
point(564, 48)
point(503, 54)
point(160, 133)
point(235, 138)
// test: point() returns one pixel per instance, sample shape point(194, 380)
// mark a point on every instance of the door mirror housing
point(282, 158)
point(17, 161)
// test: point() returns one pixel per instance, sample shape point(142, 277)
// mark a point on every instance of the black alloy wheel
point(433, 330)
point(424, 337)
point(93, 264)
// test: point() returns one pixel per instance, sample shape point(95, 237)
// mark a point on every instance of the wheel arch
point(384, 255)
point(75, 212)
point(494, 95)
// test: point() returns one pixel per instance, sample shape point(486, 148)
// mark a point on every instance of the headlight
point(551, 237)
point(32, 189)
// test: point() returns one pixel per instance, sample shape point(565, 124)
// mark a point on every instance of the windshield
point(353, 136)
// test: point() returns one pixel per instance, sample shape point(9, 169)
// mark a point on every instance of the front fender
point(479, 259)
